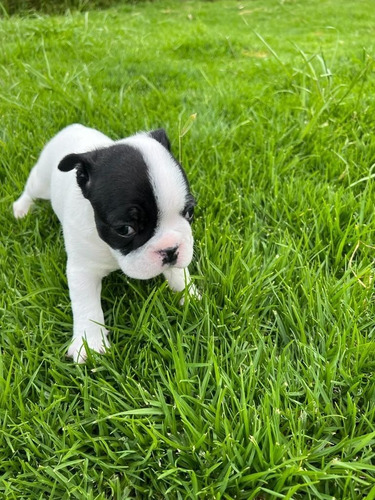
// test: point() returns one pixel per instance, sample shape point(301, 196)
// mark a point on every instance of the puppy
point(123, 205)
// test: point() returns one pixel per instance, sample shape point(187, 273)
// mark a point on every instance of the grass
point(264, 388)
point(31, 7)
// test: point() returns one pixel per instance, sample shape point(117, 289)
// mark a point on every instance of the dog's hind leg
point(37, 186)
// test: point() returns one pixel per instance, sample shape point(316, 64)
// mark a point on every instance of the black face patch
point(121, 195)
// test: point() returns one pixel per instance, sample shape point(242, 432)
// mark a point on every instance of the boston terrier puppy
point(122, 204)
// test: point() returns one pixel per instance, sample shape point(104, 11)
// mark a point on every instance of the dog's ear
point(69, 162)
point(160, 135)
point(80, 163)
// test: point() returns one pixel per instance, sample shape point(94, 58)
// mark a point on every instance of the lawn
point(264, 389)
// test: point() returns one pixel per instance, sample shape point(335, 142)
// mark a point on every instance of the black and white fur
point(123, 205)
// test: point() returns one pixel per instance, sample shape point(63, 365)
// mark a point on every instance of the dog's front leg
point(85, 288)
point(179, 279)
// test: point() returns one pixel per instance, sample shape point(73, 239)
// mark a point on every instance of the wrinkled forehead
point(166, 177)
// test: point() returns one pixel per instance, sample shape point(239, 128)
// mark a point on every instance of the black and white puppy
point(123, 205)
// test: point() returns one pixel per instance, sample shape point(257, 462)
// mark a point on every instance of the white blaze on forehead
point(168, 183)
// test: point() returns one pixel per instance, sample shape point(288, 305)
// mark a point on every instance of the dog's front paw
point(22, 206)
point(77, 349)
point(193, 292)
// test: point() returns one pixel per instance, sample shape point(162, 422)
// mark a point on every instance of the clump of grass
point(264, 388)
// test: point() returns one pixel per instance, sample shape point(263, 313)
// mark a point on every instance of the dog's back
point(45, 180)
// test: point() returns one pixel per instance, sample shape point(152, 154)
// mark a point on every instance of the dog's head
point(142, 203)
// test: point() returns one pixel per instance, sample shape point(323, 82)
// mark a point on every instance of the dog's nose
point(169, 255)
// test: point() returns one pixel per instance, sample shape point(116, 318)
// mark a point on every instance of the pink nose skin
point(169, 255)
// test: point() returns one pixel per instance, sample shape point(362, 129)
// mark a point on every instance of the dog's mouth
point(146, 264)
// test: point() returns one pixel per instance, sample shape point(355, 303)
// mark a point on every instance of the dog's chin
point(146, 274)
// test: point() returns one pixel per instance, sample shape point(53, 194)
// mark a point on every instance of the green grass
point(32, 7)
point(264, 388)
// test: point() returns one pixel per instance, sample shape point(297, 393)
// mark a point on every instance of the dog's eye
point(125, 231)
point(189, 213)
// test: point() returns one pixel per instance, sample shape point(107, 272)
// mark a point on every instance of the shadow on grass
point(29, 7)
